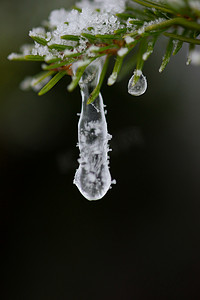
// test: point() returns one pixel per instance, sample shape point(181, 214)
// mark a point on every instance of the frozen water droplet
point(93, 176)
point(138, 88)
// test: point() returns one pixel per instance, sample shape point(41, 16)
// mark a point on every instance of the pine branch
point(142, 22)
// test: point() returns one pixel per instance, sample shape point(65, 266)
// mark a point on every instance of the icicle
point(92, 177)
point(138, 88)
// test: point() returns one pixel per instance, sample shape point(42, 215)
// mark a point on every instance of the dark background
point(141, 241)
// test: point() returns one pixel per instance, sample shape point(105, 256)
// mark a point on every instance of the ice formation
point(138, 88)
point(112, 78)
point(122, 51)
point(129, 39)
point(93, 176)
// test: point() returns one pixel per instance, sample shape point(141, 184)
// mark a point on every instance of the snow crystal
point(93, 48)
point(79, 22)
point(80, 63)
point(58, 16)
point(39, 31)
point(122, 51)
point(138, 72)
point(14, 56)
point(26, 49)
point(112, 78)
point(40, 50)
point(141, 30)
point(73, 22)
point(195, 57)
point(129, 39)
point(91, 51)
point(105, 5)
point(145, 55)
point(128, 23)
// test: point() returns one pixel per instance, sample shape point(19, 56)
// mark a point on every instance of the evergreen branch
point(140, 23)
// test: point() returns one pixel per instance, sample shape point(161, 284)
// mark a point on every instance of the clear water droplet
point(139, 87)
point(93, 177)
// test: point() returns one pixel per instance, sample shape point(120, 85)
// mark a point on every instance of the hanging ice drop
point(92, 177)
point(138, 88)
